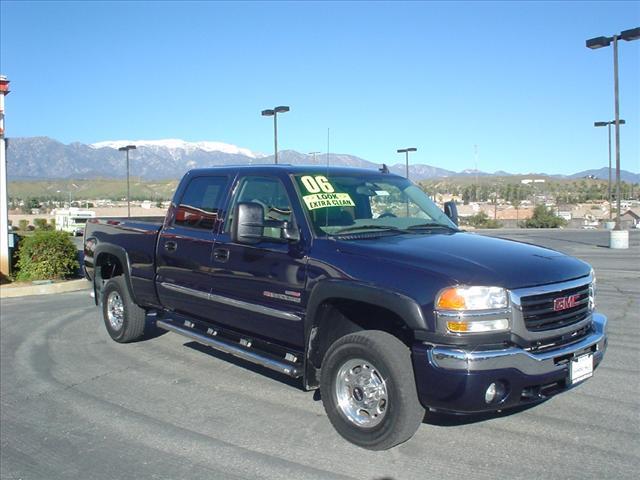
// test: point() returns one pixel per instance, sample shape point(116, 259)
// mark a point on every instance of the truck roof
point(283, 168)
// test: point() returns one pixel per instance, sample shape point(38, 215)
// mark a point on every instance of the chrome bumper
point(452, 358)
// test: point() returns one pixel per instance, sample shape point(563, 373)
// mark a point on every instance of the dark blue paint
point(463, 392)
point(416, 266)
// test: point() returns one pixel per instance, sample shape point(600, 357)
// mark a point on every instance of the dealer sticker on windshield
point(323, 200)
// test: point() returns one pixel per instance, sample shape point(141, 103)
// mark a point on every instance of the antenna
point(328, 148)
point(328, 145)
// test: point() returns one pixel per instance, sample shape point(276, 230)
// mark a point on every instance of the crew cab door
point(185, 244)
point(259, 288)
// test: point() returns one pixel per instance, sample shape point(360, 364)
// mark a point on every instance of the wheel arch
point(332, 301)
point(110, 261)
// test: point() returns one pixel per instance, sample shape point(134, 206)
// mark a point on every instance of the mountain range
point(31, 158)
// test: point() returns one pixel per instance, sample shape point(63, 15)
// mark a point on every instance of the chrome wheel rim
point(361, 393)
point(115, 310)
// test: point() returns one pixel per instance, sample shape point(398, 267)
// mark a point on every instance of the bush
point(482, 220)
point(47, 255)
point(41, 224)
point(544, 217)
point(52, 223)
point(23, 225)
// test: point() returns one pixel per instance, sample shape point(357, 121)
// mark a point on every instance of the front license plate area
point(581, 368)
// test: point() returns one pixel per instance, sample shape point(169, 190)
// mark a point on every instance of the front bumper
point(455, 379)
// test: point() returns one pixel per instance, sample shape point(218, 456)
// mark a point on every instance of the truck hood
point(471, 259)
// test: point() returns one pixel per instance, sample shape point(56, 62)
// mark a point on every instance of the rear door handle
point(170, 246)
point(221, 254)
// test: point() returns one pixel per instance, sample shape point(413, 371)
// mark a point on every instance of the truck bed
point(137, 236)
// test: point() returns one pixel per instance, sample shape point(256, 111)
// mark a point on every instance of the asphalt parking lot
point(75, 404)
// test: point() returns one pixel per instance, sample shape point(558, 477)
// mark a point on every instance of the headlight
point(473, 309)
point(472, 298)
point(592, 292)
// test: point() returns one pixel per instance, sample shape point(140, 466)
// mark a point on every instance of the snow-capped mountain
point(180, 146)
point(43, 157)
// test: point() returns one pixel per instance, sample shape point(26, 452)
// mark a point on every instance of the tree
point(482, 220)
point(544, 217)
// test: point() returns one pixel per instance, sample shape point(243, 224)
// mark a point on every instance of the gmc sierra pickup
point(356, 282)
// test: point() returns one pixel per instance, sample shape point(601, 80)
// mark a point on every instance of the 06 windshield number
point(317, 184)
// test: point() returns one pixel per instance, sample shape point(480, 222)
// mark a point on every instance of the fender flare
point(123, 257)
point(403, 306)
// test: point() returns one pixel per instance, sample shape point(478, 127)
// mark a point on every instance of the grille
point(540, 315)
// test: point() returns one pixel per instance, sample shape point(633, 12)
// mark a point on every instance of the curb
point(47, 289)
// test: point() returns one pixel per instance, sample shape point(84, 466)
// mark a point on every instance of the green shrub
point(482, 220)
point(47, 255)
point(23, 224)
point(52, 223)
point(41, 224)
point(544, 217)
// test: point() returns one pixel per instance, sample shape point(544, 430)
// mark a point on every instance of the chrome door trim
point(252, 307)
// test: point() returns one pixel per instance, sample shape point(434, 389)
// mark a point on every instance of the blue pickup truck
point(355, 282)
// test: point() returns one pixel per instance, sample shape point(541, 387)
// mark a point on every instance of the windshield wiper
point(428, 226)
point(369, 227)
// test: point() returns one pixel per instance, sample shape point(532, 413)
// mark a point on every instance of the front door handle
point(221, 254)
point(170, 246)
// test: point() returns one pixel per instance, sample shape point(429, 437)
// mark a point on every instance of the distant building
point(73, 219)
point(630, 218)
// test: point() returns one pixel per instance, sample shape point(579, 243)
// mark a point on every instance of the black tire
point(400, 415)
point(130, 326)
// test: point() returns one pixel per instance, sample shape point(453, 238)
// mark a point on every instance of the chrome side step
point(239, 351)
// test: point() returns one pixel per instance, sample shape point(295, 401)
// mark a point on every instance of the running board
point(239, 351)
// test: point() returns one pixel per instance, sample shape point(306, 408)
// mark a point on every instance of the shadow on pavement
point(291, 382)
point(444, 419)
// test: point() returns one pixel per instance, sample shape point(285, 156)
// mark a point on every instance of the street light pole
point(126, 150)
point(406, 158)
point(599, 42)
point(314, 156)
point(608, 125)
point(274, 113)
point(406, 153)
point(617, 120)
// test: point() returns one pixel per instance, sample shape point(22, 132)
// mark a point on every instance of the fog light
point(495, 393)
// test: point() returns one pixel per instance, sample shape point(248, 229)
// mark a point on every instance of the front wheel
point(368, 390)
point(123, 318)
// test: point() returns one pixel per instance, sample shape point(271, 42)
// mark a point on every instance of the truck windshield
point(340, 204)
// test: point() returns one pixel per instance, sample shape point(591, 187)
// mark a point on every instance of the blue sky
point(514, 78)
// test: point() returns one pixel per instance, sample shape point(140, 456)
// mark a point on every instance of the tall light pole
point(406, 154)
point(314, 156)
point(599, 42)
point(274, 113)
point(406, 157)
point(126, 150)
point(608, 124)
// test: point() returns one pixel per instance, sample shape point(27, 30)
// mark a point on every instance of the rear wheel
point(368, 390)
point(123, 318)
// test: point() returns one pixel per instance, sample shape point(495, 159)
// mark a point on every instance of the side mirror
point(290, 232)
point(451, 211)
point(248, 223)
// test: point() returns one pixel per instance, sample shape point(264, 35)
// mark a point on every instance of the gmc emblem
point(563, 303)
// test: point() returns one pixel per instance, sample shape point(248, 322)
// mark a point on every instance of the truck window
point(268, 192)
point(201, 203)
